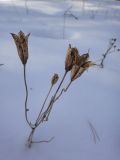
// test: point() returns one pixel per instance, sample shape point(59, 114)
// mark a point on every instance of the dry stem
point(44, 102)
point(43, 116)
point(108, 51)
point(94, 132)
point(26, 98)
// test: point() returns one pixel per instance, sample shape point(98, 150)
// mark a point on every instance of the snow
point(94, 97)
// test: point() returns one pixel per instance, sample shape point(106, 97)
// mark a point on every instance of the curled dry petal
point(88, 64)
point(54, 79)
point(82, 66)
point(83, 58)
point(74, 71)
point(78, 73)
point(21, 42)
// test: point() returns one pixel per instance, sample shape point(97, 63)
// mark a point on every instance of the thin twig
point(53, 99)
point(72, 15)
point(68, 9)
point(94, 132)
point(108, 51)
point(44, 103)
point(67, 13)
point(44, 141)
point(45, 114)
point(63, 90)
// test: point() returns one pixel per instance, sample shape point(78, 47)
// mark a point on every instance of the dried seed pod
point(82, 66)
point(21, 42)
point(72, 58)
point(54, 79)
point(83, 58)
point(78, 73)
point(74, 71)
point(88, 64)
point(69, 60)
point(76, 56)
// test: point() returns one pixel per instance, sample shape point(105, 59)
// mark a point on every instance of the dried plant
point(75, 63)
point(112, 48)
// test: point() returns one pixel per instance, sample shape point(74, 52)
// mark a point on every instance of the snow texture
point(94, 97)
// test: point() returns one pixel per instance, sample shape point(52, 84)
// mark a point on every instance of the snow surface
point(94, 97)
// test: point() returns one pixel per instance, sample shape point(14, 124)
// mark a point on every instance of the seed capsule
point(21, 42)
point(54, 79)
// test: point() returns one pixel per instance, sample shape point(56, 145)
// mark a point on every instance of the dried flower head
point(21, 42)
point(83, 65)
point(76, 56)
point(83, 58)
point(74, 71)
point(88, 64)
point(54, 79)
point(72, 58)
point(77, 74)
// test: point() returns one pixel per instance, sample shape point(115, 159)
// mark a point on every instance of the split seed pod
point(76, 56)
point(83, 65)
point(74, 71)
point(72, 58)
point(88, 64)
point(77, 73)
point(83, 58)
point(54, 79)
point(21, 42)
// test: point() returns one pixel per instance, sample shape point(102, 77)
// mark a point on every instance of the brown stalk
point(44, 116)
point(63, 90)
point(26, 98)
point(44, 103)
point(48, 110)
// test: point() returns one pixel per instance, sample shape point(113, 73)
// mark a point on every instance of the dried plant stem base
point(30, 140)
point(43, 116)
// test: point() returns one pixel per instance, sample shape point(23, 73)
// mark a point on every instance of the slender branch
point(67, 9)
point(60, 84)
point(45, 115)
point(53, 99)
point(63, 90)
point(67, 13)
point(26, 98)
point(94, 132)
point(44, 103)
point(111, 45)
point(42, 116)
point(72, 15)
point(44, 141)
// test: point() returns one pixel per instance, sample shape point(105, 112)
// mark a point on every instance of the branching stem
point(43, 116)
point(108, 51)
point(44, 103)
